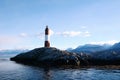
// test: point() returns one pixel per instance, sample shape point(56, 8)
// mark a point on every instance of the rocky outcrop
point(107, 57)
point(99, 55)
point(55, 57)
point(48, 56)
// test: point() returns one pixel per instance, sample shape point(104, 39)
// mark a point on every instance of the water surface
point(10, 70)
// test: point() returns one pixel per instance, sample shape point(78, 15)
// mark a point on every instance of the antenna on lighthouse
point(47, 43)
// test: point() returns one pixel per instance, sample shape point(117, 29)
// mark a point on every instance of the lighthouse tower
point(47, 43)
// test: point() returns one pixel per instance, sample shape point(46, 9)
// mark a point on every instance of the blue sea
point(10, 70)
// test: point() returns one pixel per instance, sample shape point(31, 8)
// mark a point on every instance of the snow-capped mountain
point(116, 46)
point(69, 49)
point(90, 48)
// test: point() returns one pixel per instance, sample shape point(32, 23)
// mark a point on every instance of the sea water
point(10, 70)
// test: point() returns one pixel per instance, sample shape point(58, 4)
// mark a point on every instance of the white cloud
point(23, 34)
point(42, 34)
point(74, 34)
point(69, 33)
point(111, 42)
point(86, 34)
point(64, 34)
point(51, 32)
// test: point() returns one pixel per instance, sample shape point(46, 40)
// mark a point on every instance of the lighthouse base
point(47, 44)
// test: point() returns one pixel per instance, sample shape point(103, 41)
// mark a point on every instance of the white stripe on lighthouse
point(47, 37)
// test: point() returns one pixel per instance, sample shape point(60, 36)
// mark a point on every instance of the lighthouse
point(47, 43)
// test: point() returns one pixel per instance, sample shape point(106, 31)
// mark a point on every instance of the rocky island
point(55, 57)
point(48, 56)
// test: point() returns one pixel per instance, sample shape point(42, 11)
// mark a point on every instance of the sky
point(71, 23)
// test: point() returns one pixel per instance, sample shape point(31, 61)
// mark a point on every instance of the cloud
point(69, 33)
point(74, 34)
point(64, 34)
point(23, 34)
point(111, 42)
point(42, 34)
point(51, 32)
point(86, 34)
point(39, 35)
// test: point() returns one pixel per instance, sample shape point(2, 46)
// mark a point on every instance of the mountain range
point(112, 53)
point(99, 54)
point(14, 51)
point(92, 48)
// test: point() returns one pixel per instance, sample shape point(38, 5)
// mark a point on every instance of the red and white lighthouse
point(47, 43)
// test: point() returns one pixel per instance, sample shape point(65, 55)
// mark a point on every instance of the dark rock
point(47, 56)
point(106, 57)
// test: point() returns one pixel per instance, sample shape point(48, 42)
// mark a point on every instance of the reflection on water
point(9, 70)
point(47, 74)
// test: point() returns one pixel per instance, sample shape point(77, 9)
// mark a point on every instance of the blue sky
point(72, 22)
